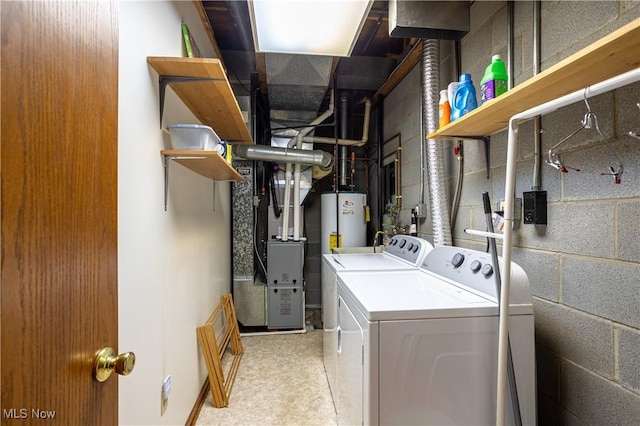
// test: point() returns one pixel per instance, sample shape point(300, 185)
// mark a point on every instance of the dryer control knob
point(487, 270)
point(457, 260)
point(475, 266)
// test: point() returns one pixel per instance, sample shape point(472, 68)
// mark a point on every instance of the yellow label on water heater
point(333, 240)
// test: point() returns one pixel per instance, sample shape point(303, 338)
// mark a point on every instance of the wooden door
point(59, 209)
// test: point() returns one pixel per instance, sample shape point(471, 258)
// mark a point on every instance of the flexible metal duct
point(435, 156)
point(317, 157)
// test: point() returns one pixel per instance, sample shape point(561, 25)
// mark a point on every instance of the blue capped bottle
point(464, 99)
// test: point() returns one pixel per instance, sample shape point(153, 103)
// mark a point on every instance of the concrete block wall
point(584, 266)
point(403, 116)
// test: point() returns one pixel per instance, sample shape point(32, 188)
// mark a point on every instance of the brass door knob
point(106, 362)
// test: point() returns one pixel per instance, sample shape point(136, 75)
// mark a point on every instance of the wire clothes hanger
point(590, 121)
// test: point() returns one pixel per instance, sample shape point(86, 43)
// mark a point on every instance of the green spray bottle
point(494, 82)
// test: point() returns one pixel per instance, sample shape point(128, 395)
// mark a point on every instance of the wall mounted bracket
point(168, 158)
point(208, 164)
point(165, 80)
point(487, 151)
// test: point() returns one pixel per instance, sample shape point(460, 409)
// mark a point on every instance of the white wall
point(174, 265)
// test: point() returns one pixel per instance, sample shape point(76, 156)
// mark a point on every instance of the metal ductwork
point(317, 157)
point(297, 85)
point(435, 155)
point(447, 20)
point(432, 21)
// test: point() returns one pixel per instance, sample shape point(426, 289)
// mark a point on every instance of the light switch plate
point(164, 395)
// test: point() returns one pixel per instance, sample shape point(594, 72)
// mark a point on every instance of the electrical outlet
point(535, 207)
point(517, 209)
point(164, 394)
point(421, 211)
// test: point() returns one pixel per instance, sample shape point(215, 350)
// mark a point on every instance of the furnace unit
point(285, 285)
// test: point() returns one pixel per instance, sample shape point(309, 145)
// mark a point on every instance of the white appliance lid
point(402, 252)
point(367, 262)
point(406, 295)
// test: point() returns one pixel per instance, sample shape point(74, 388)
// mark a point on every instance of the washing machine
point(420, 347)
point(403, 252)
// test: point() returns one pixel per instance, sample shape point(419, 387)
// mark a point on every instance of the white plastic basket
point(193, 137)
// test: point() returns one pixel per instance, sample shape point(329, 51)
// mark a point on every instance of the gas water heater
point(342, 221)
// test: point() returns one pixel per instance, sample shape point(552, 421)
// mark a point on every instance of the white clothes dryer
point(403, 252)
point(420, 347)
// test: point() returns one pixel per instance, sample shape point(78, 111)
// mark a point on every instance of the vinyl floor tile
point(280, 381)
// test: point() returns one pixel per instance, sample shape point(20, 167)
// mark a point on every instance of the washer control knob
point(410, 247)
point(416, 248)
point(487, 270)
point(403, 243)
point(457, 260)
point(475, 266)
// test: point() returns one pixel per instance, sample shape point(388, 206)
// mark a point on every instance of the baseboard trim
point(197, 406)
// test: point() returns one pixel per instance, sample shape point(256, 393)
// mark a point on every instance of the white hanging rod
point(629, 77)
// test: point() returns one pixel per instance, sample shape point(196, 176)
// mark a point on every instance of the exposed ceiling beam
point(207, 28)
point(407, 64)
point(261, 68)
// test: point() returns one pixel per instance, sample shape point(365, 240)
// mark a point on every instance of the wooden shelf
point(211, 99)
point(206, 163)
point(612, 55)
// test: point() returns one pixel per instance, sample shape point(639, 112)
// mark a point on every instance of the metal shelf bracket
point(165, 80)
point(167, 158)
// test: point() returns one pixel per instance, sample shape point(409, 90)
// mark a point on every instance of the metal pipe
point(343, 122)
point(275, 154)
point(510, 36)
point(379, 157)
point(460, 154)
point(343, 165)
point(435, 155)
point(336, 186)
point(537, 125)
point(536, 36)
point(510, 180)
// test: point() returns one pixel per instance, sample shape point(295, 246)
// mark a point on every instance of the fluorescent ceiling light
point(320, 27)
